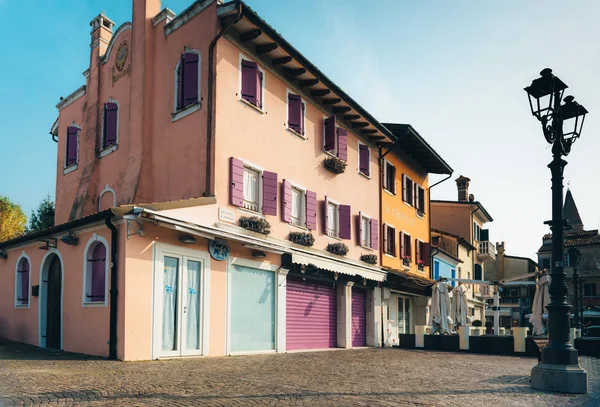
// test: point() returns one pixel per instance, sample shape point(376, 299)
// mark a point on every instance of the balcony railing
point(486, 251)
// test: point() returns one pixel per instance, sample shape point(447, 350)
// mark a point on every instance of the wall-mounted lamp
point(259, 254)
point(335, 275)
point(48, 244)
point(3, 254)
point(187, 239)
point(70, 239)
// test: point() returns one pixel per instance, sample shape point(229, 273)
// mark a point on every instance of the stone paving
point(362, 377)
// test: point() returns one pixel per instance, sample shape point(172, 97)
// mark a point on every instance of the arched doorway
point(51, 301)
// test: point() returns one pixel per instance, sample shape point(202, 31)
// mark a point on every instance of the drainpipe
point(210, 121)
point(112, 339)
point(429, 219)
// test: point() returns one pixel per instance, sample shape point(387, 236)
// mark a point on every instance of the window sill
point(364, 175)
point(405, 267)
point(70, 168)
point(420, 216)
point(389, 255)
point(300, 227)
point(302, 136)
point(407, 204)
point(21, 306)
point(389, 192)
point(334, 237)
point(94, 304)
point(181, 113)
point(107, 150)
point(367, 247)
point(258, 109)
point(334, 154)
point(251, 212)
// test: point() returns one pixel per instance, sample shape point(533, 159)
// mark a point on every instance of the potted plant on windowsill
point(303, 238)
point(406, 261)
point(369, 258)
point(421, 265)
point(335, 165)
point(255, 224)
point(337, 248)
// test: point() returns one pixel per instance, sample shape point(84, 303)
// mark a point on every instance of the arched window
point(187, 82)
point(22, 283)
point(95, 273)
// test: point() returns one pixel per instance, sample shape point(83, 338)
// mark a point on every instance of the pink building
point(216, 194)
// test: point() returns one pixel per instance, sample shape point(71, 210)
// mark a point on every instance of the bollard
point(519, 336)
point(420, 336)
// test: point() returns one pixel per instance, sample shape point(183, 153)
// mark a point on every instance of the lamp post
point(580, 310)
point(574, 258)
point(559, 369)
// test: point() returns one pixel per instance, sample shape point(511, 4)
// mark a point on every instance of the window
point(589, 289)
point(420, 251)
point(478, 272)
point(298, 207)
point(250, 187)
point(476, 232)
point(365, 231)
point(252, 83)
point(296, 113)
point(420, 200)
point(389, 177)
point(187, 89)
point(545, 263)
point(110, 125)
point(389, 235)
point(566, 260)
point(364, 159)
point(405, 246)
point(335, 141)
point(332, 219)
point(408, 190)
point(96, 271)
point(22, 283)
point(72, 146)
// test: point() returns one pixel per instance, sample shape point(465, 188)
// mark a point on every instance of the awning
point(338, 266)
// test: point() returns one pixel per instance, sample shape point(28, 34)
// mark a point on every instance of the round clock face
point(218, 250)
point(122, 52)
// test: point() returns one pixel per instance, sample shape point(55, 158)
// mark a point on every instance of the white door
point(178, 305)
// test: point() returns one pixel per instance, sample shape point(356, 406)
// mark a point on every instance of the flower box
point(406, 261)
point(335, 165)
point(255, 224)
point(369, 258)
point(302, 238)
point(337, 248)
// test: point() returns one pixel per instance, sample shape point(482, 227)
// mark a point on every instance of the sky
point(453, 70)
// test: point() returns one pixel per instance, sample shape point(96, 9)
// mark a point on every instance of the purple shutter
point(259, 82)
point(190, 79)
point(98, 273)
point(24, 276)
point(302, 115)
point(385, 239)
point(295, 113)
point(360, 230)
point(72, 145)
point(374, 234)
point(329, 134)
point(345, 221)
point(249, 81)
point(180, 81)
point(427, 254)
point(402, 248)
point(286, 199)
point(311, 210)
point(393, 177)
point(325, 216)
point(111, 111)
point(363, 158)
point(236, 188)
point(342, 144)
point(269, 193)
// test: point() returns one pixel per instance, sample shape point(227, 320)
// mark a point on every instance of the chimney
point(463, 188)
point(500, 260)
point(102, 32)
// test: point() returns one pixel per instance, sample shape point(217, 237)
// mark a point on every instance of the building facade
point(217, 194)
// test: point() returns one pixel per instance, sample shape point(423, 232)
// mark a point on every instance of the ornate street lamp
point(559, 369)
point(574, 258)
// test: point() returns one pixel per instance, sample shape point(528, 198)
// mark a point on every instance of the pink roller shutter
point(23, 272)
point(190, 78)
point(325, 216)
point(72, 133)
point(345, 221)
point(329, 134)
point(236, 188)
point(359, 317)
point(98, 273)
point(286, 199)
point(374, 234)
point(180, 83)
point(311, 318)
point(363, 158)
point(269, 193)
point(111, 110)
point(249, 81)
point(311, 210)
point(295, 113)
point(342, 144)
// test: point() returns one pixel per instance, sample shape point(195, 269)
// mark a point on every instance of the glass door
point(403, 315)
point(178, 311)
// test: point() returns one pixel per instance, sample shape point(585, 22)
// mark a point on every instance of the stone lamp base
point(559, 378)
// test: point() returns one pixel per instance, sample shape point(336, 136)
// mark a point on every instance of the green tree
point(43, 217)
point(12, 219)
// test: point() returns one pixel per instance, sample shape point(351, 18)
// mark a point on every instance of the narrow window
point(296, 113)
point(251, 189)
point(95, 274)
point(252, 82)
point(420, 200)
point(390, 177)
point(390, 247)
point(365, 231)
point(298, 209)
point(72, 144)
point(22, 288)
point(408, 190)
point(332, 219)
point(188, 80)
point(329, 139)
point(364, 159)
point(109, 137)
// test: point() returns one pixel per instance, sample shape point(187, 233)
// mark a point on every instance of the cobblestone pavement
point(363, 377)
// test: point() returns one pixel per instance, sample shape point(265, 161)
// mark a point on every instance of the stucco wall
point(455, 219)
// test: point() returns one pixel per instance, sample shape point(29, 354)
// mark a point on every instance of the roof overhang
point(411, 142)
point(475, 207)
point(281, 57)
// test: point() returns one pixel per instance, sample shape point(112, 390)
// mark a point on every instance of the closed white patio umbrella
point(440, 308)
point(460, 308)
point(540, 302)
